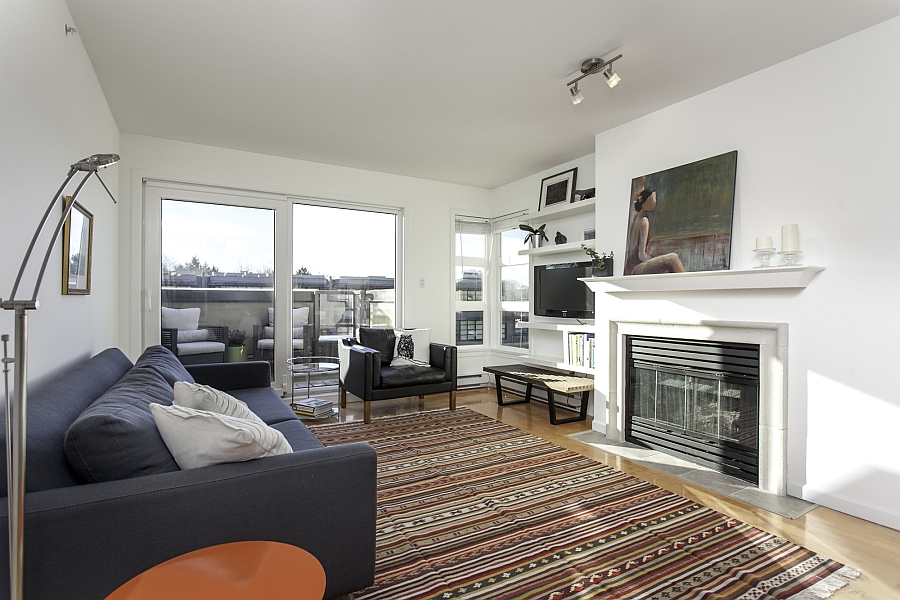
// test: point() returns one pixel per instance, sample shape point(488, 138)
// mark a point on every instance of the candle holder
point(763, 255)
point(790, 258)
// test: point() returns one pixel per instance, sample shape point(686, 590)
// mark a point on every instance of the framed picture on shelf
point(558, 189)
point(588, 234)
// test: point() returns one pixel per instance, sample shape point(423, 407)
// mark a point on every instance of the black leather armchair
point(367, 374)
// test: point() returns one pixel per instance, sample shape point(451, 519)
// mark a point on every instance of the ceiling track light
point(589, 67)
point(576, 94)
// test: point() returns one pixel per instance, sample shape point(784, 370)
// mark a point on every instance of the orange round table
point(239, 570)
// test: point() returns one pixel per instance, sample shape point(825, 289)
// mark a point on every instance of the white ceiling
point(464, 91)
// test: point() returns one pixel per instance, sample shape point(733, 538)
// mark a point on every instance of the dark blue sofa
point(84, 540)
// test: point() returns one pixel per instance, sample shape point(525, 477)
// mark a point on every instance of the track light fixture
point(612, 78)
point(589, 67)
point(576, 94)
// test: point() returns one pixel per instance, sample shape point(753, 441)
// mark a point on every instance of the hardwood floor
point(873, 549)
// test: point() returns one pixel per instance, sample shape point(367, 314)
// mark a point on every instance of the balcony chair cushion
point(412, 347)
point(116, 437)
point(200, 348)
point(397, 377)
point(269, 344)
point(199, 438)
point(381, 339)
point(203, 397)
point(165, 363)
point(300, 316)
point(186, 336)
point(186, 319)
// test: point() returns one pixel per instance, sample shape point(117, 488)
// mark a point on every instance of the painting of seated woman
point(680, 219)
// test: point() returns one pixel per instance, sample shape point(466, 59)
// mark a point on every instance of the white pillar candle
point(790, 238)
point(764, 243)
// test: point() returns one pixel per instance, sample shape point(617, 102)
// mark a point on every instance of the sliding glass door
point(285, 277)
point(344, 273)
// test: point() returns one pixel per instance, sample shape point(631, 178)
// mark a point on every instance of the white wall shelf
point(558, 249)
point(541, 361)
point(567, 210)
point(768, 278)
point(553, 326)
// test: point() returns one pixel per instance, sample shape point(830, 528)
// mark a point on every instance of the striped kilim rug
point(469, 507)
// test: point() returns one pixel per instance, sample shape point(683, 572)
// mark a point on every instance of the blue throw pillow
point(116, 437)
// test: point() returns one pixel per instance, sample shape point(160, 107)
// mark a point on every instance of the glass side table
point(307, 366)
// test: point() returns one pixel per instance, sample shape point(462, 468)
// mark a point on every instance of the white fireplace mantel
point(765, 278)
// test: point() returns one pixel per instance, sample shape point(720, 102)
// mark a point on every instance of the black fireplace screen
point(695, 399)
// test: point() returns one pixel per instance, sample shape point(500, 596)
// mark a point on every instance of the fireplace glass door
point(692, 406)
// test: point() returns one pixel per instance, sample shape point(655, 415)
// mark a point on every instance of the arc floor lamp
point(16, 406)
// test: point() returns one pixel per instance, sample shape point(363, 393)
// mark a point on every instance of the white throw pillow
point(179, 318)
point(411, 347)
point(199, 438)
point(203, 397)
point(188, 336)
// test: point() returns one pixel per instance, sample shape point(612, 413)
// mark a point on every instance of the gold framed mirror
point(77, 241)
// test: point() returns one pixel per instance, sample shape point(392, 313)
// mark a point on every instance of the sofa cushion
point(165, 363)
point(199, 438)
point(380, 339)
point(52, 407)
point(395, 377)
point(297, 435)
point(266, 404)
point(116, 437)
point(179, 318)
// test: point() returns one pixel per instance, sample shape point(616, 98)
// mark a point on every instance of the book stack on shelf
point(581, 350)
point(313, 407)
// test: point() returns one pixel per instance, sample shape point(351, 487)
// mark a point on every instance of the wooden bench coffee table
point(552, 380)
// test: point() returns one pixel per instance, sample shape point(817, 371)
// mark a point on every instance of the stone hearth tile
point(786, 506)
point(715, 481)
point(669, 464)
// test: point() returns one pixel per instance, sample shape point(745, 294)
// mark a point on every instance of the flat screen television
point(558, 293)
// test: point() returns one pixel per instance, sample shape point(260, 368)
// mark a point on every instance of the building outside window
point(513, 288)
point(471, 241)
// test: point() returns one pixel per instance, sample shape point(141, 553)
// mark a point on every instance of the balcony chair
point(301, 338)
point(192, 344)
point(366, 370)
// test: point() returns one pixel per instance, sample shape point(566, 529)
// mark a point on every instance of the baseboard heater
point(470, 382)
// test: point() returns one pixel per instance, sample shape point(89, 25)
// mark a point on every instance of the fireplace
point(772, 340)
point(695, 399)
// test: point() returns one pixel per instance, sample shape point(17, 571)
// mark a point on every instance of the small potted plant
point(601, 264)
point(236, 339)
point(535, 236)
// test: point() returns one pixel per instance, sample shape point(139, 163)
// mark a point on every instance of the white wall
point(818, 140)
point(53, 113)
point(427, 207)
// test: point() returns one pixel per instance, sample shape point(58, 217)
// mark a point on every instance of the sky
point(328, 241)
